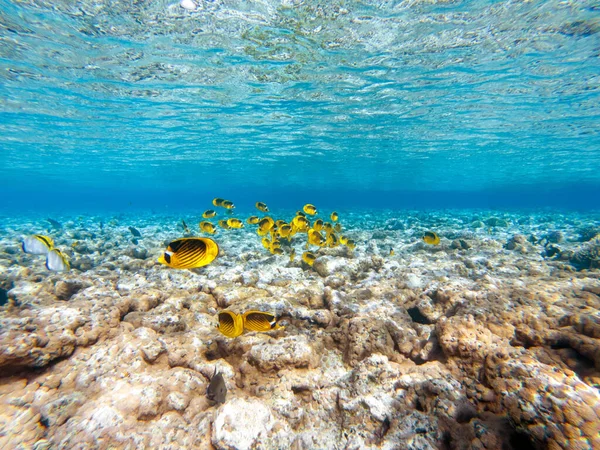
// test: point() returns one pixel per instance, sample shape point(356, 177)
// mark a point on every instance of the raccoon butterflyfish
point(315, 238)
point(332, 240)
point(218, 201)
point(209, 214)
point(350, 244)
point(230, 324)
point(223, 224)
point(328, 227)
point(185, 227)
point(318, 225)
point(252, 220)
point(266, 243)
point(292, 255)
point(309, 258)
point(276, 250)
point(261, 207)
point(37, 244)
point(57, 261)
point(135, 232)
point(217, 389)
point(338, 227)
point(343, 240)
point(207, 227)
point(285, 230)
point(189, 253)
point(228, 205)
point(265, 224)
point(301, 223)
point(391, 251)
point(334, 216)
point(280, 222)
point(235, 223)
point(260, 321)
point(300, 213)
point(431, 238)
point(309, 209)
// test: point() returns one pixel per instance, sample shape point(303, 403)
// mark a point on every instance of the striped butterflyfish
point(37, 244)
point(431, 238)
point(230, 324)
point(260, 321)
point(189, 253)
point(218, 201)
point(209, 213)
point(261, 206)
point(309, 209)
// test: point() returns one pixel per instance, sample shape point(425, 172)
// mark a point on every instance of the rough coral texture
point(487, 341)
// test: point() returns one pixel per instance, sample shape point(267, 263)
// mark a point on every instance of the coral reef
point(486, 341)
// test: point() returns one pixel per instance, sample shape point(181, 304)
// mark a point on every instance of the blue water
point(117, 105)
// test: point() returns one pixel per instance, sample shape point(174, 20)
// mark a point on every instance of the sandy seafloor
point(489, 340)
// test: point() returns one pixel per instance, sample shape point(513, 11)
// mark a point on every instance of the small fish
point(223, 224)
point(218, 201)
point(207, 227)
point(228, 205)
point(276, 250)
point(338, 227)
point(266, 242)
point(300, 223)
point(343, 240)
point(318, 225)
point(252, 220)
point(209, 214)
point(217, 389)
point(260, 321)
point(309, 258)
point(315, 238)
point(37, 244)
point(332, 240)
point(54, 223)
point(230, 324)
point(265, 224)
point(235, 223)
point(334, 216)
point(135, 232)
point(261, 207)
point(391, 251)
point(189, 253)
point(185, 227)
point(431, 238)
point(134, 241)
point(309, 209)
point(284, 231)
point(292, 255)
point(350, 244)
point(300, 213)
point(57, 261)
point(328, 227)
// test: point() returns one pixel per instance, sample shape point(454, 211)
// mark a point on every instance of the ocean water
point(454, 302)
point(113, 105)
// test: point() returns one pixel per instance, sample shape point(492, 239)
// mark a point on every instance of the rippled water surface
point(299, 95)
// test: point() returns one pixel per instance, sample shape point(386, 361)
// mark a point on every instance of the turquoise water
point(116, 105)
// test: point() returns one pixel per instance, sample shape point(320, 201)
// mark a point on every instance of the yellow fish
point(235, 223)
point(301, 223)
point(266, 242)
point(284, 231)
point(276, 251)
point(338, 227)
point(300, 213)
point(309, 258)
point(209, 213)
point(391, 251)
point(292, 255)
point(265, 224)
point(309, 209)
point(431, 238)
point(332, 240)
point(350, 244)
point(228, 205)
point(260, 321)
point(189, 253)
point(37, 244)
point(230, 324)
point(315, 238)
point(261, 207)
point(343, 240)
point(218, 201)
point(318, 225)
point(223, 224)
point(334, 217)
point(207, 227)
point(328, 227)
point(252, 220)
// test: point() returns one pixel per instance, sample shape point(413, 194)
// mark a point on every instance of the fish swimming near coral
point(57, 261)
point(56, 224)
point(185, 227)
point(217, 389)
point(37, 244)
point(292, 255)
point(207, 227)
point(260, 321)
point(391, 251)
point(135, 232)
point(230, 324)
point(235, 223)
point(431, 238)
point(309, 209)
point(309, 258)
point(262, 207)
point(334, 216)
point(228, 204)
point(252, 220)
point(209, 213)
point(189, 253)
